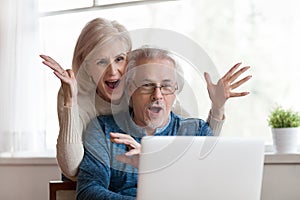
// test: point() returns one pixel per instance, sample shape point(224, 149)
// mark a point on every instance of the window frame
point(268, 147)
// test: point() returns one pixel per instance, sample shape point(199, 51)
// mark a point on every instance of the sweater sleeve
point(69, 147)
point(215, 124)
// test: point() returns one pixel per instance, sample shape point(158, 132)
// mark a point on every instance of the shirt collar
point(159, 130)
point(143, 130)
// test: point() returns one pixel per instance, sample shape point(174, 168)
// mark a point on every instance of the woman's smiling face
point(107, 67)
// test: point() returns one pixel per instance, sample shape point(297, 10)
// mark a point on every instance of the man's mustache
point(156, 104)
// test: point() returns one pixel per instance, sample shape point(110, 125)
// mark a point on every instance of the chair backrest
point(62, 190)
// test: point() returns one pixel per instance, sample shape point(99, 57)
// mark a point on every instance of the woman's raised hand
point(223, 90)
point(67, 78)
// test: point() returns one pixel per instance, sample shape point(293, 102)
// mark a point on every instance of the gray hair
point(148, 54)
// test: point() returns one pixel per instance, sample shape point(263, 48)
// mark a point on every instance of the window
point(262, 36)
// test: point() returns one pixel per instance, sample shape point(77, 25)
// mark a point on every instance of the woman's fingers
point(62, 76)
point(240, 82)
point(238, 73)
point(66, 76)
point(231, 76)
point(239, 94)
point(48, 61)
point(231, 71)
point(207, 79)
point(70, 73)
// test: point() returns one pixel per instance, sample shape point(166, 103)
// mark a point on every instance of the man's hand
point(132, 156)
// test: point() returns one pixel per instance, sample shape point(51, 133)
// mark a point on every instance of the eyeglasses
point(165, 89)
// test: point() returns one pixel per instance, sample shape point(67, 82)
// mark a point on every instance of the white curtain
point(22, 120)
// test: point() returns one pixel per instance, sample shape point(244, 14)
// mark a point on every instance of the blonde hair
point(95, 32)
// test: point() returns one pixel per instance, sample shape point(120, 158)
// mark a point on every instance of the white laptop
point(200, 168)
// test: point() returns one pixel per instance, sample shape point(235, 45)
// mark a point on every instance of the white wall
point(28, 179)
point(281, 182)
point(281, 178)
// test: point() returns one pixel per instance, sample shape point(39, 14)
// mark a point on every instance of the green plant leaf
point(281, 118)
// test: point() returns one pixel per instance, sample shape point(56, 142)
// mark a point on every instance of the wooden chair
point(62, 190)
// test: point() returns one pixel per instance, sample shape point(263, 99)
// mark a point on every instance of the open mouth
point(112, 84)
point(155, 109)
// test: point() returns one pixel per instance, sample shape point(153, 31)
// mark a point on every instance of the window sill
point(46, 157)
point(36, 161)
point(272, 158)
point(46, 153)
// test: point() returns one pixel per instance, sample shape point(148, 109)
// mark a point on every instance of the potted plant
point(285, 129)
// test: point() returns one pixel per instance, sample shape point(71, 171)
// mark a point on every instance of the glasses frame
point(153, 86)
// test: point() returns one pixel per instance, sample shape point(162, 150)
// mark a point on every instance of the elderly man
point(152, 82)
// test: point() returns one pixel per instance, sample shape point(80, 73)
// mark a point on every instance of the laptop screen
point(191, 167)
